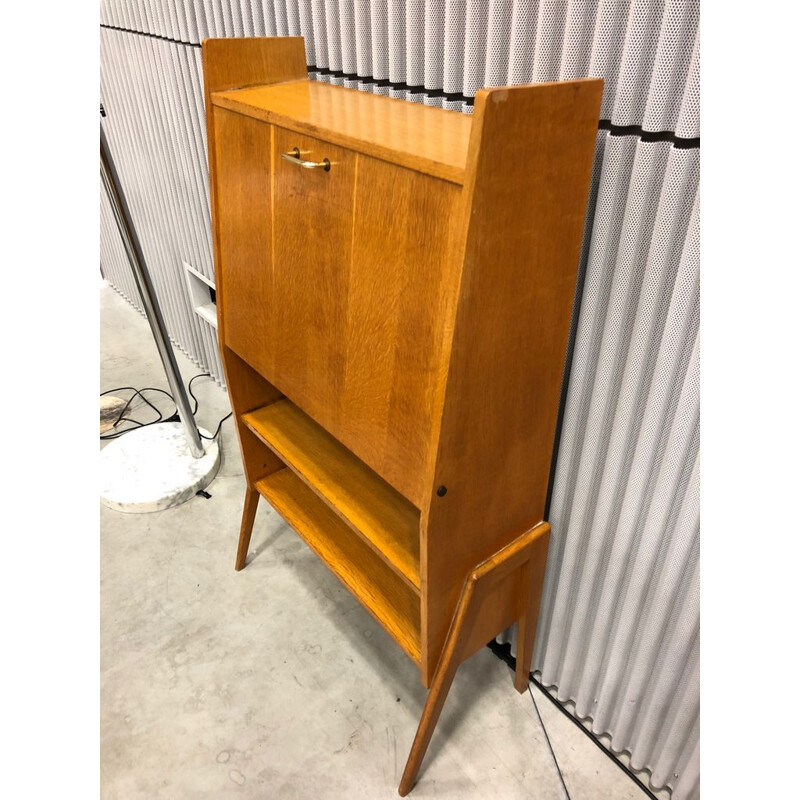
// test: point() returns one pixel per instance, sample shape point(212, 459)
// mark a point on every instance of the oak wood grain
point(251, 499)
point(533, 584)
point(250, 391)
point(422, 138)
point(494, 585)
point(312, 246)
point(526, 188)
point(401, 284)
point(244, 233)
point(377, 512)
point(347, 316)
point(389, 599)
point(229, 63)
point(394, 329)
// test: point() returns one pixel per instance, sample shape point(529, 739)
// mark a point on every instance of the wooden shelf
point(379, 514)
point(378, 588)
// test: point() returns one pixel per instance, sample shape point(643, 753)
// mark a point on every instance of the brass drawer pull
point(293, 157)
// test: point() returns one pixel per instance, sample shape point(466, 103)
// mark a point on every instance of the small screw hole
point(441, 491)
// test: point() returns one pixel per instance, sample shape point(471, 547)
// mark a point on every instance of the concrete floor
point(274, 682)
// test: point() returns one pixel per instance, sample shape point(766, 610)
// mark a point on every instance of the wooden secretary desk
point(394, 285)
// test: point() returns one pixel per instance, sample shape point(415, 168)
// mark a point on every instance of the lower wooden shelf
point(384, 519)
point(379, 588)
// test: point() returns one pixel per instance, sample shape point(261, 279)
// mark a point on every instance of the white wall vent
point(202, 293)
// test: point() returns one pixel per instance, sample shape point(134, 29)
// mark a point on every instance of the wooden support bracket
point(503, 589)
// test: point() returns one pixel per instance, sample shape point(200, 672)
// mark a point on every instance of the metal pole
point(133, 249)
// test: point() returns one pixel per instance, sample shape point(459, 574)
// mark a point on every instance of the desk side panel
point(527, 183)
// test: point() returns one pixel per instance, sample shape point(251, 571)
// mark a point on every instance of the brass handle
point(293, 157)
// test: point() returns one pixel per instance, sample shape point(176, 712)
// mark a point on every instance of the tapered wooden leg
point(248, 517)
point(519, 566)
point(526, 629)
point(452, 656)
point(533, 582)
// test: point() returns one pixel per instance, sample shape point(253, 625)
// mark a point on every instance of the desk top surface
point(423, 138)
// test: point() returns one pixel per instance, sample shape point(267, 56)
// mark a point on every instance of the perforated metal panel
point(113, 263)
point(152, 92)
point(619, 626)
point(624, 526)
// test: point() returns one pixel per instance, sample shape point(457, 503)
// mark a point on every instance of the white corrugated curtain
point(619, 629)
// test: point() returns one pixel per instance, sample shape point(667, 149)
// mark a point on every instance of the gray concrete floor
point(274, 682)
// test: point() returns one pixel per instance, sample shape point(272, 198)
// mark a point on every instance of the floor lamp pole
point(133, 249)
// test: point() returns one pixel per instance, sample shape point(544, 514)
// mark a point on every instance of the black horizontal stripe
point(149, 35)
point(451, 97)
point(454, 97)
point(648, 136)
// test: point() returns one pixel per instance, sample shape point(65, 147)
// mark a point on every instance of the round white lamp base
point(151, 469)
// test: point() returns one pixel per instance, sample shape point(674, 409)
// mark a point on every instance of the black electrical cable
point(172, 418)
point(136, 393)
point(503, 652)
point(549, 745)
point(219, 427)
point(191, 393)
point(197, 405)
